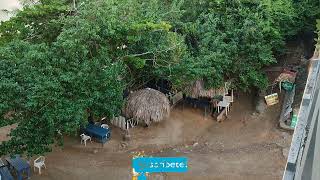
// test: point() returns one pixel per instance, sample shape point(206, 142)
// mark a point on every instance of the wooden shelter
point(219, 99)
point(147, 106)
point(197, 90)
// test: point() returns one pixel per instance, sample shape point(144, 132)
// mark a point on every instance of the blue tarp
point(19, 165)
point(101, 134)
point(5, 173)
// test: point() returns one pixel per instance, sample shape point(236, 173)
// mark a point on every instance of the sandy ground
point(245, 146)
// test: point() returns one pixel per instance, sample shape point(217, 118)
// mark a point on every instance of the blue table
point(4, 172)
point(19, 165)
point(99, 133)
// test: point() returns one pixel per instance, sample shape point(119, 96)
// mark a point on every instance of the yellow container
point(272, 99)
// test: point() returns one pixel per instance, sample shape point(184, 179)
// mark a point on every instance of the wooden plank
point(176, 98)
point(221, 116)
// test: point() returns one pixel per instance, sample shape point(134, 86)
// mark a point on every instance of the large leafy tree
point(103, 48)
point(233, 40)
point(317, 50)
point(38, 23)
point(49, 92)
point(308, 12)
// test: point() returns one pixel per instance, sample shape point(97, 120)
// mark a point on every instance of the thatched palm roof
point(147, 105)
point(198, 90)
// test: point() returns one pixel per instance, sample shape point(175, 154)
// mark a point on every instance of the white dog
point(84, 139)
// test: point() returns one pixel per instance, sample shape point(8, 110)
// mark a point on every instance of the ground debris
point(285, 152)
point(95, 151)
point(123, 145)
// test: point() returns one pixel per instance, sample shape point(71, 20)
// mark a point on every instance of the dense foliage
point(57, 61)
point(232, 40)
point(307, 13)
point(39, 23)
point(318, 40)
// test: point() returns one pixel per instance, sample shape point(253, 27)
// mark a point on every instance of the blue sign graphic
point(159, 164)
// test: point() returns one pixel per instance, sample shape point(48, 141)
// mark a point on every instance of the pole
point(74, 4)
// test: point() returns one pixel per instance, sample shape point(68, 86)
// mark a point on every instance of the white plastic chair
point(225, 104)
point(229, 98)
point(39, 163)
point(84, 139)
point(105, 126)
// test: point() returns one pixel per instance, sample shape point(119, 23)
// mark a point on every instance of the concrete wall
point(295, 166)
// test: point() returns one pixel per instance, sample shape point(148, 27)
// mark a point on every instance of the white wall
point(10, 5)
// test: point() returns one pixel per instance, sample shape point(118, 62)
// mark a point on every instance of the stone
point(261, 106)
point(285, 135)
point(127, 137)
point(123, 144)
point(285, 152)
point(155, 176)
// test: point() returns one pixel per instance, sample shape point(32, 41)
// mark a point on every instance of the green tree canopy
point(104, 48)
point(57, 61)
point(232, 40)
point(40, 23)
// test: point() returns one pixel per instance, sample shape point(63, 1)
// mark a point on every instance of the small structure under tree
point(198, 90)
point(212, 99)
point(147, 106)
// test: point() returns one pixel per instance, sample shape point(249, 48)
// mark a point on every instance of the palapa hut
point(213, 99)
point(147, 106)
point(197, 90)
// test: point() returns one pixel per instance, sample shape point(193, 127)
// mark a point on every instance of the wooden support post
point(280, 86)
point(183, 105)
point(205, 112)
point(226, 110)
point(232, 95)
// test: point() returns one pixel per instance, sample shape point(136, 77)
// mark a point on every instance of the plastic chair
point(225, 104)
point(39, 163)
point(84, 139)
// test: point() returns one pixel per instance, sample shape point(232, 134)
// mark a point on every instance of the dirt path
point(246, 146)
